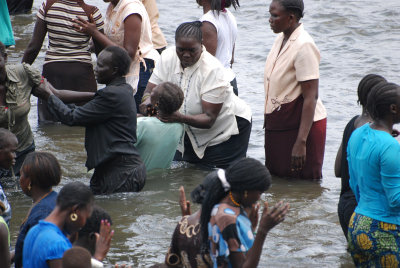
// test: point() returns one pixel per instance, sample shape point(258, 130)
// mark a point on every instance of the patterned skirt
point(373, 243)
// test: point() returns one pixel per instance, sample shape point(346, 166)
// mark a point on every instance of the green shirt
point(2, 221)
point(157, 141)
point(14, 116)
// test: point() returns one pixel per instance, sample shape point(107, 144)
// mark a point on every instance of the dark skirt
point(281, 130)
point(346, 206)
point(76, 76)
point(123, 173)
point(223, 154)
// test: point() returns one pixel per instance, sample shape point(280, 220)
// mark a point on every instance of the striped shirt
point(65, 43)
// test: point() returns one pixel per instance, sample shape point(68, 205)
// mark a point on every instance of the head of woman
point(383, 103)
point(365, 86)
point(8, 148)
point(246, 179)
point(188, 43)
point(113, 62)
point(200, 192)
point(75, 201)
point(167, 97)
point(40, 171)
point(285, 14)
point(219, 5)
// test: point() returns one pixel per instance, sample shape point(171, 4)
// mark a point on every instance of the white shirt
point(205, 80)
point(226, 26)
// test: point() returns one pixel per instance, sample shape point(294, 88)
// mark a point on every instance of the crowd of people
point(181, 103)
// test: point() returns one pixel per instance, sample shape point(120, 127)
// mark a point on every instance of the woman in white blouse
point(217, 122)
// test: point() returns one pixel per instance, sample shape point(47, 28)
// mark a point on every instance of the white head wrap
point(222, 178)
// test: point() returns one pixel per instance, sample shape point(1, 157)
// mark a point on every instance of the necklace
point(233, 200)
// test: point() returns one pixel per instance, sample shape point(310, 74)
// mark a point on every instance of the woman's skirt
point(76, 76)
point(373, 243)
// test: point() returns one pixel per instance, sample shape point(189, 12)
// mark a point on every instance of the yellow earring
point(245, 194)
point(73, 216)
point(29, 187)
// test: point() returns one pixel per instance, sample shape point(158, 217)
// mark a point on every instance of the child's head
point(77, 257)
point(87, 235)
point(168, 97)
point(40, 170)
point(8, 147)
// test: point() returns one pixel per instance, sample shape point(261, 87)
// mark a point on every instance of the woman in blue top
point(227, 229)
point(374, 166)
point(39, 173)
point(46, 242)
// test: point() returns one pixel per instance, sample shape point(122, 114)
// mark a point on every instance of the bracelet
point(145, 97)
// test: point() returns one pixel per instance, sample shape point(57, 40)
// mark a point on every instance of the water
point(355, 38)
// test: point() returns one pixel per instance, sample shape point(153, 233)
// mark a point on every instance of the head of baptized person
point(112, 62)
point(188, 43)
point(167, 98)
point(285, 15)
point(8, 148)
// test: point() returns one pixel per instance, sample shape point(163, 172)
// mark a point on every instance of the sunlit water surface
point(355, 38)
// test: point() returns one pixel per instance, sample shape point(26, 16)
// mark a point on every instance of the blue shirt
point(44, 242)
point(374, 167)
point(40, 211)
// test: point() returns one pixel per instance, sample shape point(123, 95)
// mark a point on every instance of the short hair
point(294, 6)
point(120, 59)
point(189, 29)
point(92, 224)
point(5, 137)
point(219, 5)
point(365, 86)
point(380, 98)
point(74, 194)
point(3, 49)
point(77, 257)
point(42, 168)
point(170, 98)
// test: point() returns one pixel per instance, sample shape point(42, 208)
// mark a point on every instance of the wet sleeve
point(34, 74)
point(306, 62)
point(390, 173)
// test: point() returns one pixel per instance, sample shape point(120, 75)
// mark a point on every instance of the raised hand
point(253, 215)
point(103, 240)
point(185, 205)
point(272, 217)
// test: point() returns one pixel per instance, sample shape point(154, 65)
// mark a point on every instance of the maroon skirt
point(281, 130)
point(74, 75)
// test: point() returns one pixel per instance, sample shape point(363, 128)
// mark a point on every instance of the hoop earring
point(29, 187)
point(73, 216)
point(245, 194)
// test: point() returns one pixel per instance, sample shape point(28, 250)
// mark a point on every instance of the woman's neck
point(57, 217)
point(38, 194)
point(206, 6)
point(383, 125)
point(289, 31)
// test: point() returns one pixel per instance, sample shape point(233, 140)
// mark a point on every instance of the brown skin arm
point(269, 219)
point(4, 248)
point(45, 89)
point(132, 24)
point(205, 120)
point(144, 106)
point(338, 161)
point(55, 263)
point(310, 94)
point(210, 37)
point(34, 46)
point(233, 56)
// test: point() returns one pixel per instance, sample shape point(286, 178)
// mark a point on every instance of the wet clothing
point(373, 243)
point(157, 141)
point(185, 248)
point(281, 130)
point(285, 68)
point(110, 121)
point(6, 32)
point(347, 201)
point(19, 6)
point(229, 230)
point(38, 212)
point(44, 242)
point(2, 221)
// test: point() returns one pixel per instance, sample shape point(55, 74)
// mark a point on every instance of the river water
point(355, 38)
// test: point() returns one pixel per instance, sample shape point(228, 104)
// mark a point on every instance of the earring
point(73, 217)
point(29, 187)
point(245, 194)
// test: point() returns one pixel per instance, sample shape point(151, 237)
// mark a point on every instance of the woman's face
point(83, 214)
point(104, 70)
point(252, 197)
point(8, 153)
point(279, 19)
point(188, 50)
point(24, 182)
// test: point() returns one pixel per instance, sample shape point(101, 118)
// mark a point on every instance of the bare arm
point(205, 120)
point(338, 161)
point(210, 37)
point(233, 55)
point(34, 46)
point(67, 96)
point(309, 91)
point(4, 248)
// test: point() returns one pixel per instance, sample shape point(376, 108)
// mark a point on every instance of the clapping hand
point(103, 240)
point(272, 217)
point(185, 205)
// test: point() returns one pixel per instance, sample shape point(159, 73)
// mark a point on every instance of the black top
point(109, 118)
point(344, 171)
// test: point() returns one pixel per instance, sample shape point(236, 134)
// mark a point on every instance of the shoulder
point(224, 215)
point(210, 63)
point(210, 16)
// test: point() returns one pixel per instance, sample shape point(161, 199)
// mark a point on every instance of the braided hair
point(189, 29)
point(170, 99)
point(244, 175)
point(365, 86)
point(380, 98)
point(294, 6)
